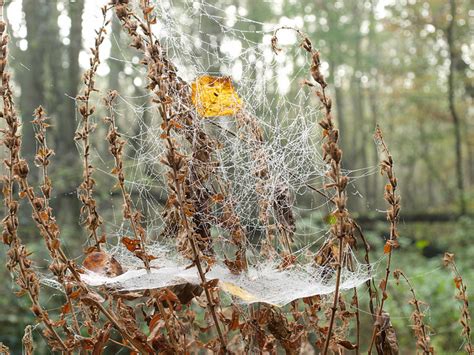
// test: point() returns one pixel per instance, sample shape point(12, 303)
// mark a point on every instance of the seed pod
point(21, 169)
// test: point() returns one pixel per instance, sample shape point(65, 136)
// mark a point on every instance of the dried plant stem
point(28, 280)
point(333, 153)
point(77, 277)
point(27, 341)
point(4, 349)
point(369, 283)
point(355, 303)
point(43, 153)
point(335, 299)
point(18, 169)
point(342, 230)
point(157, 63)
point(42, 160)
point(190, 236)
point(393, 199)
point(86, 188)
point(356, 226)
point(168, 326)
point(465, 319)
point(177, 93)
point(341, 220)
point(39, 312)
point(261, 172)
point(421, 333)
point(116, 144)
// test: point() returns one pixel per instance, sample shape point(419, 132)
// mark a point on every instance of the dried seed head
point(7, 237)
point(38, 203)
point(57, 268)
point(448, 258)
point(21, 169)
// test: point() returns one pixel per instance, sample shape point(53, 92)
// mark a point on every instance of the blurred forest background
point(406, 65)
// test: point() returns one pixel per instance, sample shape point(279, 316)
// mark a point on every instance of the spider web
point(287, 115)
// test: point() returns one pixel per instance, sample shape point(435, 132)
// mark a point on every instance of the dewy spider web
point(283, 109)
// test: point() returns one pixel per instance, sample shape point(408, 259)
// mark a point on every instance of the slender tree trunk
point(373, 103)
point(364, 150)
point(67, 124)
point(359, 131)
point(357, 119)
point(115, 63)
point(32, 77)
point(333, 56)
point(41, 78)
point(211, 35)
point(470, 158)
point(433, 174)
point(452, 108)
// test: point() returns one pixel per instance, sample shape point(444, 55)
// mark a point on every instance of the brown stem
point(77, 277)
point(332, 155)
point(462, 296)
point(41, 311)
point(356, 301)
point(167, 323)
point(93, 220)
point(424, 341)
point(29, 281)
point(116, 148)
point(335, 300)
point(393, 200)
point(190, 236)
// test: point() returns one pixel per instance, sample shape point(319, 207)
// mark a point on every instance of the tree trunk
point(115, 62)
point(359, 131)
point(67, 124)
point(33, 78)
point(373, 104)
point(455, 117)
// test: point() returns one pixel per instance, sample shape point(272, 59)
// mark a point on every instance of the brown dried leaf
point(103, 264)
point(66, 308)
point(347, 344)
point(131, 244)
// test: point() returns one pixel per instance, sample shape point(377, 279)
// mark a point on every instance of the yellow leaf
point(215, 96)
point(237, 291)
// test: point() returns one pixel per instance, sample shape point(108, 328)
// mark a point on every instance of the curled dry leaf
point(131, 244)
point(103, 264)
point(186, 292)
point(347, 344)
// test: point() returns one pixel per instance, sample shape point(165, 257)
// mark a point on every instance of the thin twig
point(393, 199)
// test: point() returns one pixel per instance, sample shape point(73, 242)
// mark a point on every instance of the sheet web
point(285, 113)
